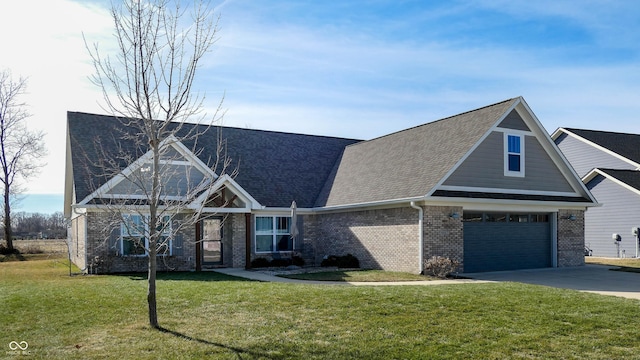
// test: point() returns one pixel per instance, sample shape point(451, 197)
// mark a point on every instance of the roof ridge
point(225, 127)
point(434, 121)
point(600, 131)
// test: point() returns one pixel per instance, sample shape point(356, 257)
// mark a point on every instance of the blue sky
point(356, 69)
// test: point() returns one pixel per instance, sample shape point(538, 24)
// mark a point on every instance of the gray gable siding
point(584, 157)
point(408, 163)
point(514, 121)
point(620, 211)
point(178, 180)
point(484, 168)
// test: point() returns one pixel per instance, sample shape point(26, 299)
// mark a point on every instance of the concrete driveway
point(589, 278)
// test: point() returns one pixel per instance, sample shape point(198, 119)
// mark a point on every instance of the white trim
point(193, 160)
point(145, 234)
point(229, 183)
point(140, 197)
point(556, 134)
point(592, 174)
point(274, 234)
point(218, 210)
point(507, 191)
point(474, 147)
point(515, 131)
point(521, 154)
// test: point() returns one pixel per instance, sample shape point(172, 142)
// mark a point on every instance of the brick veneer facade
point(443, 233)
point(380, 239)
point(570, 238)
point(102, 243)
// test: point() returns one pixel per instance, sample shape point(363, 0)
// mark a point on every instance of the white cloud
point(44, 43)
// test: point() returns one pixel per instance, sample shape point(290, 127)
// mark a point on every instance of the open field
point(52, 246)
point(209, 315)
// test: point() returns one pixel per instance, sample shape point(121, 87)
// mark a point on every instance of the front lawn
point(359, 276)
point(627, 262)
point(209, 315)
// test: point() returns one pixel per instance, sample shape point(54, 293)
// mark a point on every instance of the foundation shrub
point(440, 266)
point(346, 261)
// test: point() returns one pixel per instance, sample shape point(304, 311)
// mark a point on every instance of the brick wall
point(102, 249)
point(570, 238)
point(238, 227)
point(380, 239)
point(443, 234)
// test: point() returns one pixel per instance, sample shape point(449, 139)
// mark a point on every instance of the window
point(273, 233)
point(134, 239)
point(514, 155)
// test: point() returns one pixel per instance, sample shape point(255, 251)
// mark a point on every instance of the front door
point(211, 242)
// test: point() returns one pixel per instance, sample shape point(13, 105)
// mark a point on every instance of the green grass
point(209, 315)
point(629, 263)
point(359, 276)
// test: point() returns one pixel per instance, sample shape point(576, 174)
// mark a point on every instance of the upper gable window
point(513, 155)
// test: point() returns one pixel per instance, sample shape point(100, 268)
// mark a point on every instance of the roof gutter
point(420, 235)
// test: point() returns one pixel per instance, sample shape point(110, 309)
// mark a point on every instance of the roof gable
point(629, 179)
point(275, 168)
point(514, 121)
point(182, 171)
point(552, 174)
point(622, 145)
point(409, 163)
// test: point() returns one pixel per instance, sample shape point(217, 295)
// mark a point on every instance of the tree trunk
point(151, 289)
point(8, 234)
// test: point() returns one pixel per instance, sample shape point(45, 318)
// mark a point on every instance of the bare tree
point(20, 148)
point(148, 85)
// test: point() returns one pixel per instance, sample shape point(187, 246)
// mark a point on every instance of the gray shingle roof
point(627, 145)
point(274, 167)
point(629, 177)
point(408, 163)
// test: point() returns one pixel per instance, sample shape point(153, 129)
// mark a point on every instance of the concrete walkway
point(589, 278)
point(260, 276)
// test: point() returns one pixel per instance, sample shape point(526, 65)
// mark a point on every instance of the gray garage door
point(494, 242)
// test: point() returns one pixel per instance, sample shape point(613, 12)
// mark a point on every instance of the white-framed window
point(273, 234)
point(513, 155)
point(134, 235)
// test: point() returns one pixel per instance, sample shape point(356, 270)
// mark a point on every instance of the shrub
point(280, 262)
point(259, 262)
point(347, 261)
point(297, 261)
point(5, 250)
point(440, 266)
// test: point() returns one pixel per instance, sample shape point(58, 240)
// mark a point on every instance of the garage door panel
point(493, 246)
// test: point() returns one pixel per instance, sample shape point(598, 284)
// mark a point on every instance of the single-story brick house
point(608, 163)
point(487, 187)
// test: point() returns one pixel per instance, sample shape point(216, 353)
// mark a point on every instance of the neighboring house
point(487, 187)
point(608, 163)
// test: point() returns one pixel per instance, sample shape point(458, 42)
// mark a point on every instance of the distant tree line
point(38, 226)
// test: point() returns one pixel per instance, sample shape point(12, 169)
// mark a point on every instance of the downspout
point(420, 235)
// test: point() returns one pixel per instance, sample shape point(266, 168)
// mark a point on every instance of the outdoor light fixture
point(570, 217)
point(455, 216)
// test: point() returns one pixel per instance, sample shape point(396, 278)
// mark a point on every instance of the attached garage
point(503, 241)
